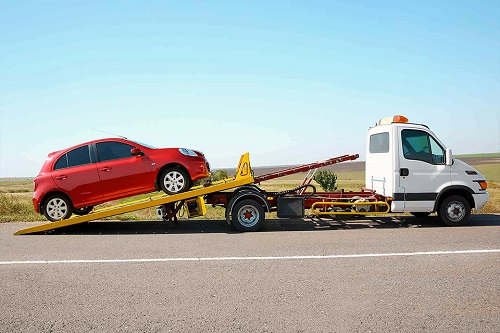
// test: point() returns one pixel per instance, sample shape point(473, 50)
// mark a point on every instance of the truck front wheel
point(454, 211)
point(247, 215)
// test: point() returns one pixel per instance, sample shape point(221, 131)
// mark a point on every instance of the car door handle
point(404, 172)
point(62, 177)
point(106, 169)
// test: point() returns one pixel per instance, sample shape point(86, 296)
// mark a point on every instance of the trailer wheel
point(454, 211)
point(174, 180)
point(57, 207)
point(247, 215)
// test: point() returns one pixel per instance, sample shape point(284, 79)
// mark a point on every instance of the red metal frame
point(305, 167)
point(222, 198)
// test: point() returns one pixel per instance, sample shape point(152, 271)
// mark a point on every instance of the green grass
point(17, 208)
point(484, 155)
point(490, 171)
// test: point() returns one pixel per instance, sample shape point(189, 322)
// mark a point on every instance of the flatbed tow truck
point(407, 170)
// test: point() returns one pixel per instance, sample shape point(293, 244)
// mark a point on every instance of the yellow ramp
point(243, 176)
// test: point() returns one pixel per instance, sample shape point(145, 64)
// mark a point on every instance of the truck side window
point(379, 143)
point(437, 152)
point(419, 145)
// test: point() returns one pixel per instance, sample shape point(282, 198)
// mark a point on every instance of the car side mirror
point(448, 157)
point(136, 152)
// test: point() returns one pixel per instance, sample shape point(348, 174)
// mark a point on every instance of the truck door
point(422, 170)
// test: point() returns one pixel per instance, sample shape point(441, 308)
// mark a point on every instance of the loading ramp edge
point(243, 176)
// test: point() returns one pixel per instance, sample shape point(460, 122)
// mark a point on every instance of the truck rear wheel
point(247, 215)
point(454, 211)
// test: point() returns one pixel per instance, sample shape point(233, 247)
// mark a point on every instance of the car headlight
point(187, 152)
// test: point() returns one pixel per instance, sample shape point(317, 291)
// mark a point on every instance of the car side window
point(420, 146)
point(62, 162)
point(113, 150)
point(75, 157)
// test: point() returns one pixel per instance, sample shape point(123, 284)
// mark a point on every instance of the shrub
point(218, 175)
point(214, 176)
point(326, 179)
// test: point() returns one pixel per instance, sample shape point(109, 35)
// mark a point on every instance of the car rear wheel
point(174, 180)
point(57, 207)
point(83, 210)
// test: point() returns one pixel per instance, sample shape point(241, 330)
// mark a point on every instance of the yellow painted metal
point(324, 204)
point(243, 176)
point(195, 207)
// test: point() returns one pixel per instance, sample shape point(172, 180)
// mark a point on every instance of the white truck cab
point(409, 164)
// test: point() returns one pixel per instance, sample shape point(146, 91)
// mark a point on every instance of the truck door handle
point(61, 177)
point(106, 169)
point(404, 172)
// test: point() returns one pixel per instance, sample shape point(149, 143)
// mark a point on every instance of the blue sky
point(288, 81)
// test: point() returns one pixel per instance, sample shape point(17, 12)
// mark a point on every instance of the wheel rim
point(455, 211)
point(57, 208)
point(248, 216)
point(174, 181)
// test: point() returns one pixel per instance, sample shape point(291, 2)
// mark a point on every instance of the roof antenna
point(120, 136)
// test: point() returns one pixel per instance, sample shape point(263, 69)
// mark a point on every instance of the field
point(15, 194)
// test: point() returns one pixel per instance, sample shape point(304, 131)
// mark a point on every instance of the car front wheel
point(57, 207)
point(174, 181)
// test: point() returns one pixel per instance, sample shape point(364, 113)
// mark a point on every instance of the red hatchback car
point(74, 180)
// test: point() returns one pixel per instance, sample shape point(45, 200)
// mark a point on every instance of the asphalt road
point(382, 275)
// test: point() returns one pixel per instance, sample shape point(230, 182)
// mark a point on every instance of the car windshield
point(144, 144)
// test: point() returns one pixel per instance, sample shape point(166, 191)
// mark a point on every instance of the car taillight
point(35, 185)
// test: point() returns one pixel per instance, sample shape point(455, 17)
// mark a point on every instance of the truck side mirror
point(449, 157)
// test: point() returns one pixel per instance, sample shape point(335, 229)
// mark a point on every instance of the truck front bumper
point(480, 199)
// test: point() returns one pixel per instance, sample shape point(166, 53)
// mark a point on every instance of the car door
point(121, 173)
point(76, 174)
point(422, 170)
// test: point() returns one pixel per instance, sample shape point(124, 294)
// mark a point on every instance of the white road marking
point(335, 256)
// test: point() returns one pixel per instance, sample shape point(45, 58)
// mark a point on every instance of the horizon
point(464, 156)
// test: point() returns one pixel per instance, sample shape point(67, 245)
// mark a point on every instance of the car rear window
point(75, 157)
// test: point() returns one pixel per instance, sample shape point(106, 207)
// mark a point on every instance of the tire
point(454, 211)
point(174, 180)
point(247, 215)
point(420, 214)
point(57, 207)
point(83, 210)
